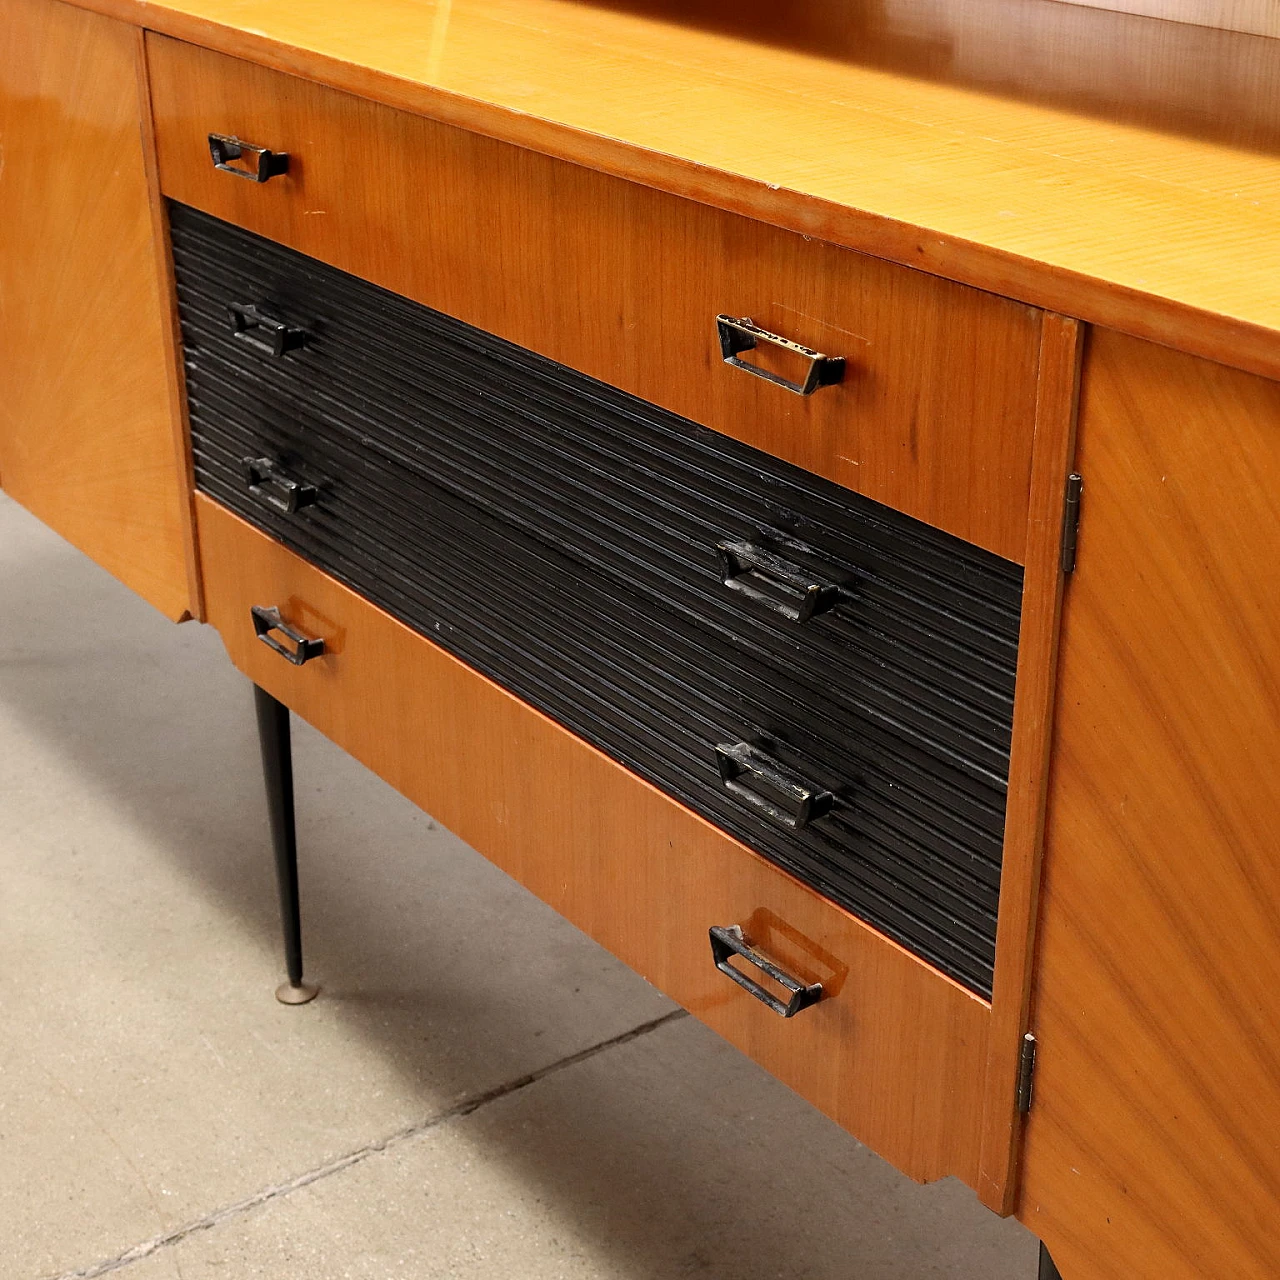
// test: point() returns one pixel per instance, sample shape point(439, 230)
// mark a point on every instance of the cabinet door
point(87, 438)
point(1153, 1145)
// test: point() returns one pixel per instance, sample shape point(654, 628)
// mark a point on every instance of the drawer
point(894, 1051)
point(935, 412)
point(639, 578)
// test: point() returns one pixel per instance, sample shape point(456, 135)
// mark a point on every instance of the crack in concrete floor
point(461, 1109)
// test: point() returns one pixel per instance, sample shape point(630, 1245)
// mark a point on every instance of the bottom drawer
point(893, 1051)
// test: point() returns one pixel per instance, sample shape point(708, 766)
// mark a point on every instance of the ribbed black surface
point(560, 536)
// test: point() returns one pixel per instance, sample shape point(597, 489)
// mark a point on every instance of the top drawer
point(934, 415)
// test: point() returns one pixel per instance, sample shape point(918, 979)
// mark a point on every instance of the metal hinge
point(1026, 1072)
point(1071, 520)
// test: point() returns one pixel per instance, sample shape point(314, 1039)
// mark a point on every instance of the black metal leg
point(1047, 1270)
point(277, 773)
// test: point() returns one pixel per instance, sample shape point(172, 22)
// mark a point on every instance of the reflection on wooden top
point(1122, 169)
point(1218, 85)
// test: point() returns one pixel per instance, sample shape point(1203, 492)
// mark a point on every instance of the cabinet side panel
point(86, 436)
point(1153, 1147)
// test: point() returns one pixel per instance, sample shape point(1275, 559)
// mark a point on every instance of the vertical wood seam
point(172, 336)
point(1057, 400)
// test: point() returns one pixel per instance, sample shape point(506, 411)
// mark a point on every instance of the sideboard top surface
point(1116, 168)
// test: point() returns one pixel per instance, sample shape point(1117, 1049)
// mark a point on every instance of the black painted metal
point(1047, 1270)
point(728, 941)
point(269, 483)
point(264, 332)
point(277, 773)
point(567, 540)
point(260, 164)
point(1071, 521)
point(1026, 1073)
point(301, 649)
point(739, 335)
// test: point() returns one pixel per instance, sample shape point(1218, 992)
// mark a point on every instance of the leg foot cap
point(304, 993)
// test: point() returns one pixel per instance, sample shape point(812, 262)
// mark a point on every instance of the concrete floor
point(479, 1092)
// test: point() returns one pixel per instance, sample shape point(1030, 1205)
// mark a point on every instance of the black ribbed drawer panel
point(640, 578)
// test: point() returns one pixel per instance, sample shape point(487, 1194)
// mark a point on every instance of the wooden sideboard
point(1030, 277)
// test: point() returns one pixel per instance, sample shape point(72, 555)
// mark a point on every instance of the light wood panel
point(935, 415)
point(895, 1053)
point(1060, 351)
point(946, 136)
point(86, 434)
point(1153, 1148)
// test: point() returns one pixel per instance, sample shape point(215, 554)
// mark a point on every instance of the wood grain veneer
point(1153, 1148)
point(1154, 225)
point(87, 436)
point(896, 1053)
point(936, 412)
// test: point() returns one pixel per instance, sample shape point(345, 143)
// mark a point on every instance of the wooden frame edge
point(172, 331)
point(1057, 401)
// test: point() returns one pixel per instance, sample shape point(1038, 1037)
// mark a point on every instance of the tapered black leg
point(1047, 1270)
point(277, 773)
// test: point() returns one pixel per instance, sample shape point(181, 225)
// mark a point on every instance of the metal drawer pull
point(263, 332)
point(260, 164)
point(265, 621)
point(737, 559)
point(739, 335)
point(738, 759)
point(727, 940)
point(267, 481)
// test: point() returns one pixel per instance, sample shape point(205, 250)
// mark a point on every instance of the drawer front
point(934, 415)
point(635, 576)
point(893, 1051)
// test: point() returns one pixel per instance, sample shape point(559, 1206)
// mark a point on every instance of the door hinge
point(1071, 520)
point(1026, 1072)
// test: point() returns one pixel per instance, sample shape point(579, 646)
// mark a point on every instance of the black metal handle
point(727, 940)
point(259, 163)
point(266, 620)
point(738, 759)
point(266, 480)
point(738, 559)
point(264, 332)
point(739, 335)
